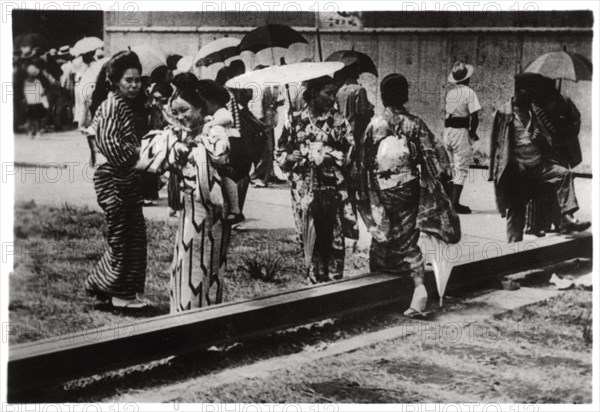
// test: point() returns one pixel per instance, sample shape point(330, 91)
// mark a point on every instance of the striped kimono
point(121, 272)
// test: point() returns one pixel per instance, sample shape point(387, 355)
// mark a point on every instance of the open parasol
point(348, 57)
point(217, 51)
point(289, 74)
point(86, 45)
point(184, 65)
point(150, 58)
point(295, 73)
point(270, 35)
point(562, 65)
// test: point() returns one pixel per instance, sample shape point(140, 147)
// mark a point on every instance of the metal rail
point(46, 363)
point(575, 174)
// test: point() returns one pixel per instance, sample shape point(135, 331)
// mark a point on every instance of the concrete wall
point(421, 47)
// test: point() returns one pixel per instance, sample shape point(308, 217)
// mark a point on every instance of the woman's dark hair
point(186, 88)
point(163, 88)
point(88, 57)
point(159, 74)
point(540, 87)
point(222, 75)
point(394, 90)
point(236, 68)
point(120, 63)
point(110, 74)
point(172, 61)
point(199, 92)
point(100, 92)
point(314, 87)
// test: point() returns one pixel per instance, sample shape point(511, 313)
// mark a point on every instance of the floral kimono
point(401, 193)
point(319, 187)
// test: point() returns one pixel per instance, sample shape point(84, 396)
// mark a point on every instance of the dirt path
point(521, 346)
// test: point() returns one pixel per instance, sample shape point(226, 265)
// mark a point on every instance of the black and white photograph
point(289, 206)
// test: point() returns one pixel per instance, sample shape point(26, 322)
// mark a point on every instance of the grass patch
point(57, 247)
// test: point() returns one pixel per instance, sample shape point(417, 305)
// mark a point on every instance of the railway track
point(38, 365)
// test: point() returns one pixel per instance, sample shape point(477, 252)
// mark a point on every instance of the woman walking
point(315, 147)
point(398, 200)
point(121, 272)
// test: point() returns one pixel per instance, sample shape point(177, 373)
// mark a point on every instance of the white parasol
point(295, 73)
point(150, 58)
point(184, 65)
point(85, 45)
point(217, 51)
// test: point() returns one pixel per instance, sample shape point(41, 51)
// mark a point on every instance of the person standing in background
point(460, 129)
point(534, 142)
point(34, 91)
point(353, 102)
point(85, 78)
point(265, 109)
point(354, 105)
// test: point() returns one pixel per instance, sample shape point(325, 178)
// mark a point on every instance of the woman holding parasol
point(315, 148)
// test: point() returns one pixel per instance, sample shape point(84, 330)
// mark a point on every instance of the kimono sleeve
point(345, 142)
point(285, 146)
point(363, 105)
point(112, 141)
point(494, 138)
point(434, 156)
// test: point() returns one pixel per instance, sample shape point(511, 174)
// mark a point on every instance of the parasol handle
point(291, 114)
point(319, 44)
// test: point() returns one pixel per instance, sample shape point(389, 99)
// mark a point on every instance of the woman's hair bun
point(186, 80)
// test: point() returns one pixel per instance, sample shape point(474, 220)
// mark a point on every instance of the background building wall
point(422, 46)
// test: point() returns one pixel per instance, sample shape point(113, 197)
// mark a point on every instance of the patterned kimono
point(319, 186)
point(402, 195)
point(121, 272)
point(202, 240)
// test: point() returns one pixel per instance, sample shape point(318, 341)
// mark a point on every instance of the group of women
point(393, 179)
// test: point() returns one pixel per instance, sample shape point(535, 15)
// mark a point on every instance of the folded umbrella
point(217, 51)
point(150, 58)
point(86, 45)
point(270, 35)
point(441, 268)
point(309, 232)
point(348, 57)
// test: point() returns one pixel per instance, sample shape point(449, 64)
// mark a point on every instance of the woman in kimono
point(316, 147)
point(401, 193)
point(121, 272)
point(199, 141)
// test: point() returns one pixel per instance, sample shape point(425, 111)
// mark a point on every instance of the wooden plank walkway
point(44, 363)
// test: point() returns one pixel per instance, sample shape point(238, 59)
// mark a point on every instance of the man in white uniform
point(461, 121)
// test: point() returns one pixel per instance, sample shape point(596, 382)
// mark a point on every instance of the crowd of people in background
point(211, 142)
